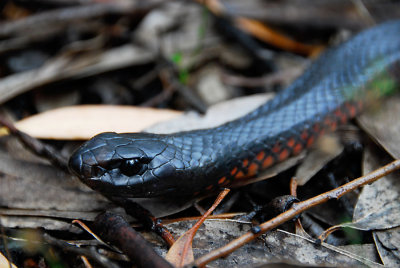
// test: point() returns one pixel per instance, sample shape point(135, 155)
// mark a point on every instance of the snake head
point(127, 165)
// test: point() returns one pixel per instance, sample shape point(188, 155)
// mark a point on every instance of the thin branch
point(296, 209)
point(269, 80)
point(65, 16)
point(37, 147)
point(192, 232)
point(94, 255)
point(115, 230)
point(66, 66)
point(145, 217)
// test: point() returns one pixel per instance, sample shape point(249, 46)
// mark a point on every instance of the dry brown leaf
point(178, 254)
point(181, 252)
point(266, 34)
point(84, 121)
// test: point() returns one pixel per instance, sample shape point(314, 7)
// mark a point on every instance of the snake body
point(334, 89)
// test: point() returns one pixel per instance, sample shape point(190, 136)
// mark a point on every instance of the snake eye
point(132, 167)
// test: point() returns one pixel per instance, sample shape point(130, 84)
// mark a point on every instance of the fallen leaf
point(181, 252)
point(84, 121)
point(216, 115)
point(63, 67)
point(388, 245)
point(265, 33)
point(378, 206)
point(367, 251)
point(40, 195)
point(270, 36)
point(178, 254)
point(5, 263)
point(382, 124)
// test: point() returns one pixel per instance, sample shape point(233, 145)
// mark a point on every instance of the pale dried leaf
point(367, 251)
point(190, 18)
point(216, 115)
point(378, 206)
point(85, 121)
point(5, 263)
point(210, 87)
point(382, 123)
point(388, 245)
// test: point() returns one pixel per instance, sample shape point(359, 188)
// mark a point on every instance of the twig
point(148, 77)
point(363, 11)
point(66, 66)
point(166, 93)
point(192, 232)
point(263, 32)
point(253, 48)
point(293, 186)
point(298, 225)
point(105, 262)
point(145, 217)
point(329, 14)
point(189, 95)
point(279, 77)
point(296, 209)
point(169, 78)
point(327, 232)
point(64, 16)
point(224, 216)
point(37, 147)
point(115, 230)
